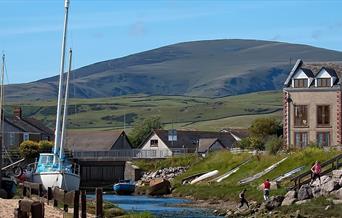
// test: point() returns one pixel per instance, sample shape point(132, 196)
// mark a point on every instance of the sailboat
point(54, 169)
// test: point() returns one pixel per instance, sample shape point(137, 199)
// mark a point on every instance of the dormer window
point(323, 82)
point(300, 83)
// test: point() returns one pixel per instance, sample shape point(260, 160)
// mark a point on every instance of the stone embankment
point(329, 187)
point(165, 173)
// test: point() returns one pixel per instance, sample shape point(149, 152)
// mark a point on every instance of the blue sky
point(31, 30)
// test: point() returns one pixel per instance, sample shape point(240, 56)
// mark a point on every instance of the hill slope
point(212, 68)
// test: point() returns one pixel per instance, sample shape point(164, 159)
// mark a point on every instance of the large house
point(164, 143)
point(18, 128)
point(312, 105)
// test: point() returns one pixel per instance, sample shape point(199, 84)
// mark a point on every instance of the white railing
point(129, 154)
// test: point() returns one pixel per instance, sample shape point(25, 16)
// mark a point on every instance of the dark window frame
point(154, 143)
point(323, 82)
point(302, 143)
point(327, 142)
point(323, 118)
point(300, 83)
point(299, 113)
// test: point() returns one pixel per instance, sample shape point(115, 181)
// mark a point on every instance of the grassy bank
point(229, 188)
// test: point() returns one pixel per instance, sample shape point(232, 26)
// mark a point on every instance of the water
point(158, 206)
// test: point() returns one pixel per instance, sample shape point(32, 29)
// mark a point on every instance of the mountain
point(211, 68)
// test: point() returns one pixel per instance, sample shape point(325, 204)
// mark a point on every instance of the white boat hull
point(66, 181)
point(205, 176)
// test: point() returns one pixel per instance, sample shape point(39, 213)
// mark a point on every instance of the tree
point(29, 149)
point(274, 144)
point(143, 128)
point(263, 127)
point(45, 146)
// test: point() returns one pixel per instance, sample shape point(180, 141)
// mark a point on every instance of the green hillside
point(211, 68)
point(178, 111)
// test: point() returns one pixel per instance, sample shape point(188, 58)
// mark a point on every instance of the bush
point(252, 142)
point(263, 127)
point(45, 146)
point(274, 144)
point(244, 143)
point(29, 149)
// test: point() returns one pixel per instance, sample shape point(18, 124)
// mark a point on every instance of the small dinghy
point(205, 176)
point(124, 187)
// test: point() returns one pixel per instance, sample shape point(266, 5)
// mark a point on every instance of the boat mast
point(59, 101)
point(65, 110)
point(1, 114)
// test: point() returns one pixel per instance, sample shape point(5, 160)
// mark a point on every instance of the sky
point(31, 30)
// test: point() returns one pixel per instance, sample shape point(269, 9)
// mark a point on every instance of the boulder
point(304, 192)
point(274, 202)
point(337, 193)
point(289, 199)
point(316, 192)
point(340, 182)
point(337, 174)
point(337, 201)
point(324, 179)
point(302, 202)
point(329, 186)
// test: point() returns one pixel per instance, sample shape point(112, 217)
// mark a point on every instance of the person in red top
point(316, 172)
point(267, 187)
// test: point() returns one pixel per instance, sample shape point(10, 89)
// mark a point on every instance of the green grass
point(229, 188)
point(314, 208)
point(179, 111)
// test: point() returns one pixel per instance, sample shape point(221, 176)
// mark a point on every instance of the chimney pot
point(17, 112)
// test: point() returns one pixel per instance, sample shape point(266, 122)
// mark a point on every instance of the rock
point(327, 207)
point(289, 199)
point(337, 193)
point(329, 186)
point(274, 202)
point(340, 182)
point(337, 201)
point(337, 174)
point(316, 192)
point(324, 179)
point(304, 192)
point(302, 202)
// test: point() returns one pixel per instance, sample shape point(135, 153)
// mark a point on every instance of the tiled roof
point(205, 144)
point(91, 140)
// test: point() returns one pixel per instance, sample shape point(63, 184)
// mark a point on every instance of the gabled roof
point(205, 144)
point(307, 72)
point(22, 125)
point(298, 64)
point(93, 140)
point(38, 124)
point(190, 139)
point(330, 71)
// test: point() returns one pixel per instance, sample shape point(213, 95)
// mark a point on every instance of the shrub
point(273, 144)
point(252, 142)
point(263, 127)
point(29, 149)
point(45, 146)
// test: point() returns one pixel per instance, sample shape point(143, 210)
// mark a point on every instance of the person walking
point(243, 198)
point(267, 187)
point(316, 172)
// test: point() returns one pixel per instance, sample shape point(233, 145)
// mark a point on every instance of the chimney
point(17, 112)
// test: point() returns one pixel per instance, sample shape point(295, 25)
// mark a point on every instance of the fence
point(59, 196)
point(124, 155)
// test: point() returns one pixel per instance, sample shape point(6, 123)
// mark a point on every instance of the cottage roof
point(190, 139)
point(308, 72)
point(333, 68)
point(38, 124)
point(22, 125)
point(205, 144)
point(92, 140)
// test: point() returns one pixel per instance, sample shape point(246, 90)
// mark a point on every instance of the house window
point(300, 83)
point(154, 143)
point(323, 115)
point(323, 139)
point(301, 139)
point(301, 116)
point(26, 136)
point(323, 82)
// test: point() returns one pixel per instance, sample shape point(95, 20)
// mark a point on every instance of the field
point(181, 112)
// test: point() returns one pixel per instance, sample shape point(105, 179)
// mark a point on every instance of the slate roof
point(333, 68)
point(190, 139)
point(38, 124)
point(92, 140)
point(22, 125)
point(205, 144)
